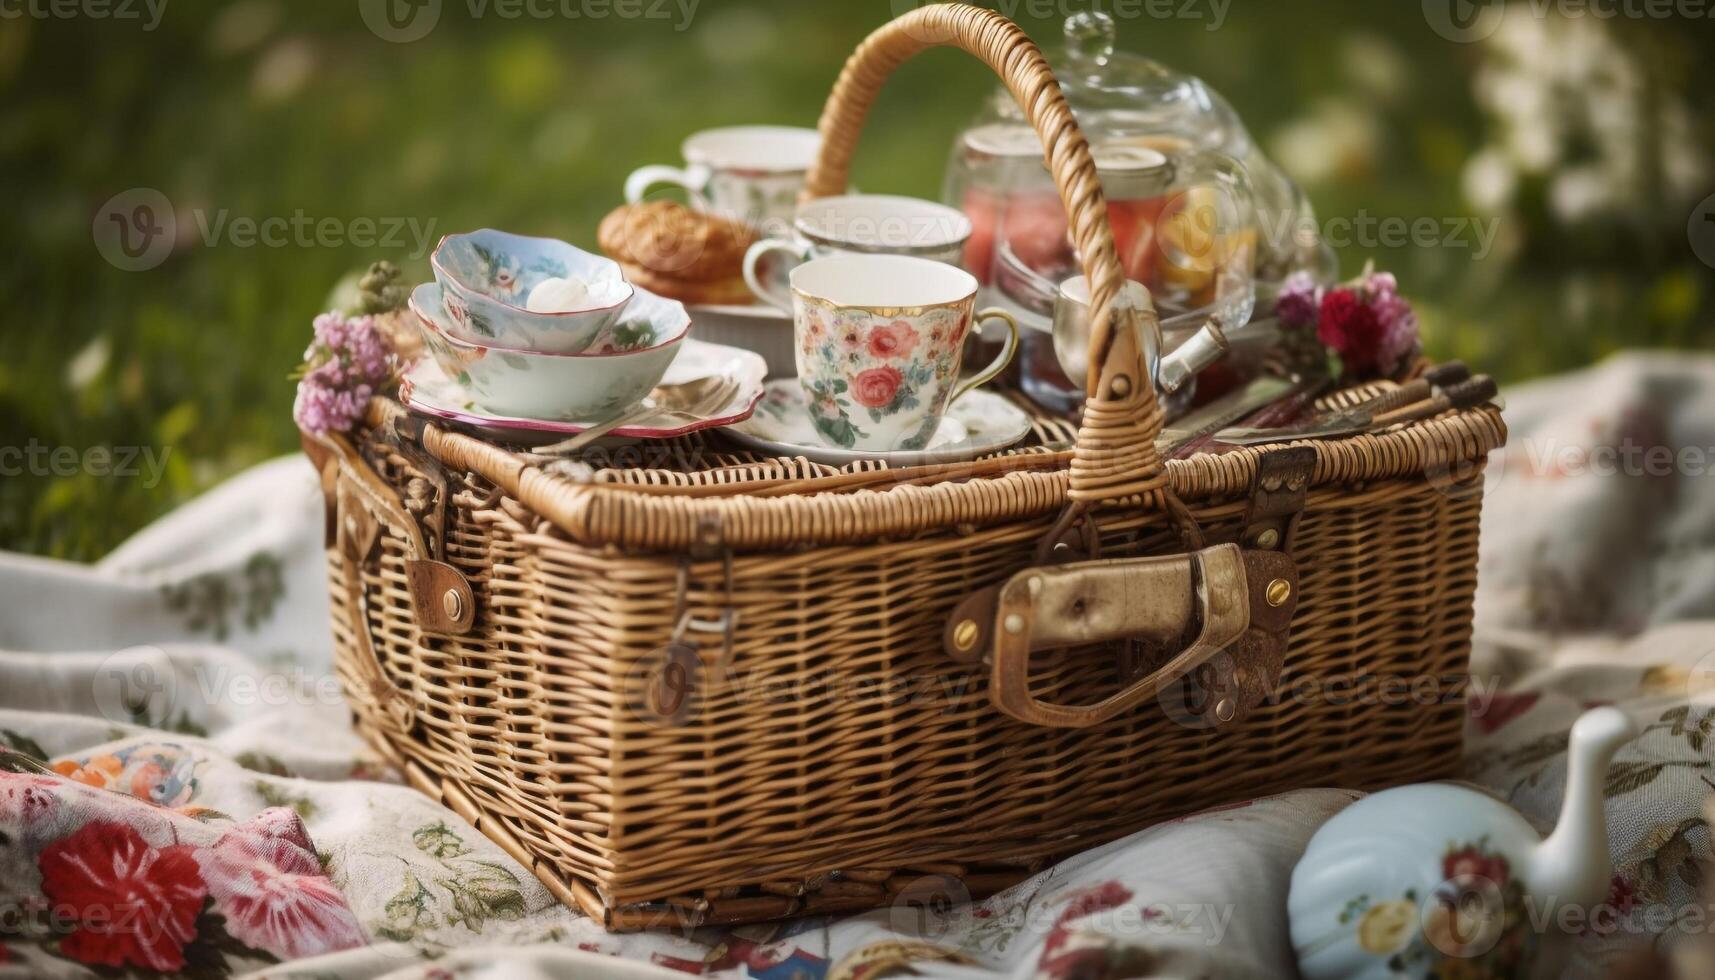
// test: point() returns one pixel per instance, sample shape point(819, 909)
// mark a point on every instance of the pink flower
point(1297, 302)
point(265, 880)
point(1398, 322)
point(1380, 284)
point(1399, 333)
point(876, 387)
point(896, 339)
point(136, 905)
point(348, 362)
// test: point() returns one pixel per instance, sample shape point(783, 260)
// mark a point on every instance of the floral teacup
point(879, 340)
point(751, 173)
point(487, 278)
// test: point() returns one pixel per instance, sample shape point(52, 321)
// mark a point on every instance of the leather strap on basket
point(1222, 614)
point(359, 505)
point(1115, 455)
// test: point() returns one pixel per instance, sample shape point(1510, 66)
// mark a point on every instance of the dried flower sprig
point(346, 364)
point(382, 289)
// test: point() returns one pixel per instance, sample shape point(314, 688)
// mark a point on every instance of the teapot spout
point(1572, 866)
point(1204, 348)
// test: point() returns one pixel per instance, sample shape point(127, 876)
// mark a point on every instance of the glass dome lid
point(1118, 96)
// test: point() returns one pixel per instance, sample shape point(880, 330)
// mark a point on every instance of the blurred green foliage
point(273, 108)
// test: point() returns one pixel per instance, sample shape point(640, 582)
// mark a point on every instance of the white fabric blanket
point(191, 669)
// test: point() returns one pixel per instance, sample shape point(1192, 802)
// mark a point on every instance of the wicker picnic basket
point(705, 686)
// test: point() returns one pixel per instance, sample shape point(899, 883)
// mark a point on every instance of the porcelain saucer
point(978, 424)
point(426, 390)
point(758, 327)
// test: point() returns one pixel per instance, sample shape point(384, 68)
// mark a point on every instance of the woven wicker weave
point(504, 631)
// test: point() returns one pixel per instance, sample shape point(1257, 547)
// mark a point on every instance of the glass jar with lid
point(1200, 217)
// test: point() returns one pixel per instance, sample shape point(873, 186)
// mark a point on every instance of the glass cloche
point(1200, 216)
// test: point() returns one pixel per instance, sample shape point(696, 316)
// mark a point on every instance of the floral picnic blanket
point(181, 792)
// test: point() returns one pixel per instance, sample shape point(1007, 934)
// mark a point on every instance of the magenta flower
point(1366, 321)
point(1299, 300)
point(346, 364)
point(1398, 335)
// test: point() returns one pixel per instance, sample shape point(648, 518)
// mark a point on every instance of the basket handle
point(1115, 455)
point(1216, 602)
point(359, 506)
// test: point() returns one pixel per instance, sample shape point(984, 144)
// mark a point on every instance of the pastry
point(732, 291)
point(672, 250)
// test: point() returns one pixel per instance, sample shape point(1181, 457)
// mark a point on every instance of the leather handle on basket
point(442, 599)
point(1158, 599)
point(359, 504)
point(1115, 453)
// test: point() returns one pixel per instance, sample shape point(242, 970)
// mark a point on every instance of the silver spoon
point(693, 400)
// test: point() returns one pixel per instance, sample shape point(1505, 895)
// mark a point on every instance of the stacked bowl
point(537, 328)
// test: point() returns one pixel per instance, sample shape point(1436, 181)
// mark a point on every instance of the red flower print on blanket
point(135, 905)
point(144, 887)
point(266, 881)
point(1062, 956)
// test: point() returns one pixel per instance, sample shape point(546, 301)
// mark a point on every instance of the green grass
point(269, 108)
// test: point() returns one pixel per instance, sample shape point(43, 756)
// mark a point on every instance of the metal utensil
point(692, 400)
point(1465, 394)
point(1225, 410)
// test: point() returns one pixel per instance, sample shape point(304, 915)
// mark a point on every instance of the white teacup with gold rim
point(751, 173)
point(879, 339)
point(856, 224)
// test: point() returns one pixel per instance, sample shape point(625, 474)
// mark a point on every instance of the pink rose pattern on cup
point(860, 368)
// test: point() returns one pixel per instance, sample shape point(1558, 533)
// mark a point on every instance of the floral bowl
point(487, 277)
point(563, 387)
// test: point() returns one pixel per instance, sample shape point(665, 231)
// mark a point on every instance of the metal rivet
point(453, 604)
point(1121, 387)
point(1279, 591)
point(1272, 484)
point(1225, 709)
point(1034, 584)
point(1268, 538)
point(965, 634)
point(1014, 623)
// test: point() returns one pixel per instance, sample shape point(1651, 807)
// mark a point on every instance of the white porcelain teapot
point(1412, 881)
